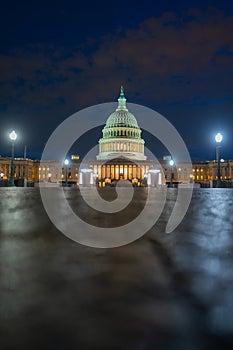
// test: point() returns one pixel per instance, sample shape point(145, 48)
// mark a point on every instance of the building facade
point(25, 170)
point(30, 170)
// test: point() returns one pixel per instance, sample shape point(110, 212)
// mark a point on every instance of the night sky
point(172, 56)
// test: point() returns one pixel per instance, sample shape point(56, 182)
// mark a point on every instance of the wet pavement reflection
point(164, 291)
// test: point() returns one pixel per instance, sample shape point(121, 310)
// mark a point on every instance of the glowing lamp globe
point(171, 162)
point(218, 137)
point(66, 162)
point(13, 135)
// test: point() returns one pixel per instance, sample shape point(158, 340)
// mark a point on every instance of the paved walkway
point(165, 291)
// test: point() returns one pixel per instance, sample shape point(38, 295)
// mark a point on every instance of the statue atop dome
point(122, 101)
point(122, 92)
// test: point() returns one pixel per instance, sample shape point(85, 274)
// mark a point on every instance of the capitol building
point(121, 150)
point(120, 157)
point(121, 153)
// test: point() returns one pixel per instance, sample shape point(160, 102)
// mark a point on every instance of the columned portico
point(121, 169)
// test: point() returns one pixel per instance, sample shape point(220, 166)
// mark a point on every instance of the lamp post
point(66, 164)
point(218, 139)
point(171, 165)
point(13, 137)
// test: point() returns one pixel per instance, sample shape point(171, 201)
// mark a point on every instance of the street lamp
point(218, 139)
point(171, 165)
point(66, 164)
point(13, 137)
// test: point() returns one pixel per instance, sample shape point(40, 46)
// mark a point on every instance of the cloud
point(165, 58)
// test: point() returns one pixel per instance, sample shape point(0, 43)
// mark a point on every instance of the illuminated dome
point(121, 135)
point(121, 118)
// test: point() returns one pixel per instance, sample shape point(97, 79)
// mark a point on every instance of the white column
point(149, 179)
point(91, 179)
point(160, 179)
point(80, 178)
